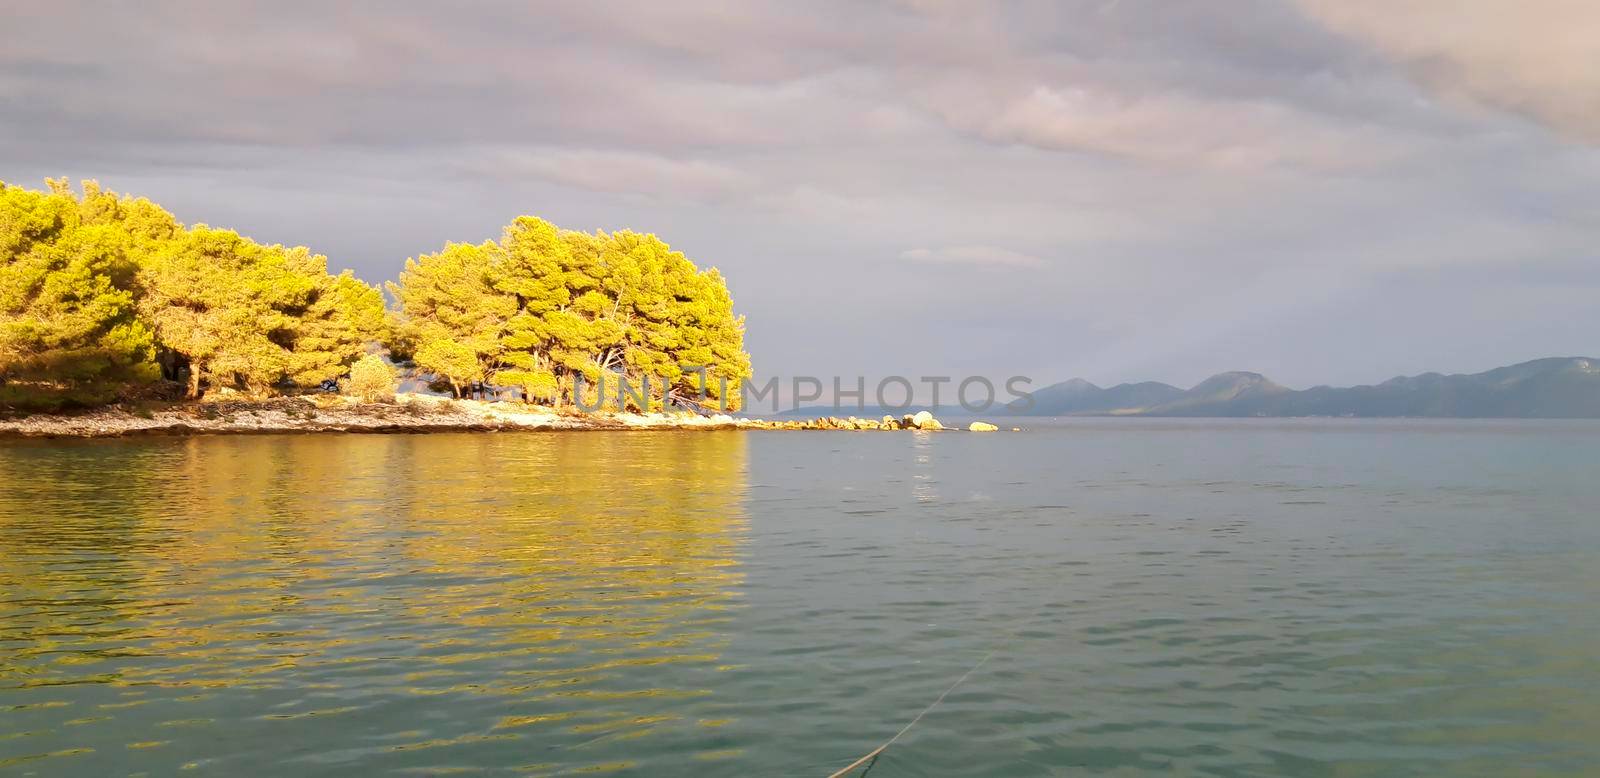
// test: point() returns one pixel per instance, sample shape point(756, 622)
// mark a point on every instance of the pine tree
point(241, 314)
point(560, 327)
point(676, 317)
point(711, 336)
point(102, 291)
point(545, 305)
point(332, 328)
point(216, 300)
point(530, 265)
point(452, 317)
point(69, 331)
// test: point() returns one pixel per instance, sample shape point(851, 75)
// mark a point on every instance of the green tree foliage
point(544, 305)
point(249, 316)
point(371, 379)
point(100, 292)
point(713, 337)
point(452, 318)
point(563, 318)
point(333, 325)
point(69, 329)
point(676, 316)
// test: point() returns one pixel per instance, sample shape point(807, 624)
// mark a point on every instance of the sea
point(1120, 597)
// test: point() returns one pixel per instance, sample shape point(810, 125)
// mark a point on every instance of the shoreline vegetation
point(107, 299)
point(405, 413)
point(116, 319)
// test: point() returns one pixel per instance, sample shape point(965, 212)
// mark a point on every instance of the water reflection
point(434, 601)
point(1233, 600)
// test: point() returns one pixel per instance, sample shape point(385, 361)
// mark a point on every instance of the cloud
point(972, 255)
point(1174, 85)
point(1537, 59)
point(1177, 153)
point(1252, 90)
point(621, 172)
point(1163, 128)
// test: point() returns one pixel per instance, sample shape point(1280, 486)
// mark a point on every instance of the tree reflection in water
point(368, 600)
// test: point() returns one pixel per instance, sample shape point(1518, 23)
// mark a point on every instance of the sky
point(1323, 191)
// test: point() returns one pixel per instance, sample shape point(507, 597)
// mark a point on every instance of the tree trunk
point(171, 364)
point(194, 381)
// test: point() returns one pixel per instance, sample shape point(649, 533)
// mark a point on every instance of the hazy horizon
point(1274, 379)
point(1322, 191)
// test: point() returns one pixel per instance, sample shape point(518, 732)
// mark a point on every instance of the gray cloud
point(1536, 59)
point(1126, 189)
point(622, 172)
point(975, 255)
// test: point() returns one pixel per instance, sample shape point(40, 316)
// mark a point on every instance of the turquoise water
point(1228, 598)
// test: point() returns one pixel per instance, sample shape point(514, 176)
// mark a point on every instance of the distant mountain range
point(1555, 388)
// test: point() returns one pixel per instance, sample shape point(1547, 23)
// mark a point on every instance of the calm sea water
point(1212, 598)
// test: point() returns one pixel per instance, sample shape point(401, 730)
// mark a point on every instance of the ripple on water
point(1375, 603)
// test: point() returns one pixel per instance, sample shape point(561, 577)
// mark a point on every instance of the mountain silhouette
point(1555, 388)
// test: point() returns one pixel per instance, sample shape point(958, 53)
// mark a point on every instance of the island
point(117, 319)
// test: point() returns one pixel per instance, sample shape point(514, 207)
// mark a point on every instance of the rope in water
point(873, 754)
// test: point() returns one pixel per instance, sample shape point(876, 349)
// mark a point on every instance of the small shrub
point(31, 398)
point(371, 380)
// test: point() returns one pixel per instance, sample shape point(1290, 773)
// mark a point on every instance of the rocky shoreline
point(409, 413)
